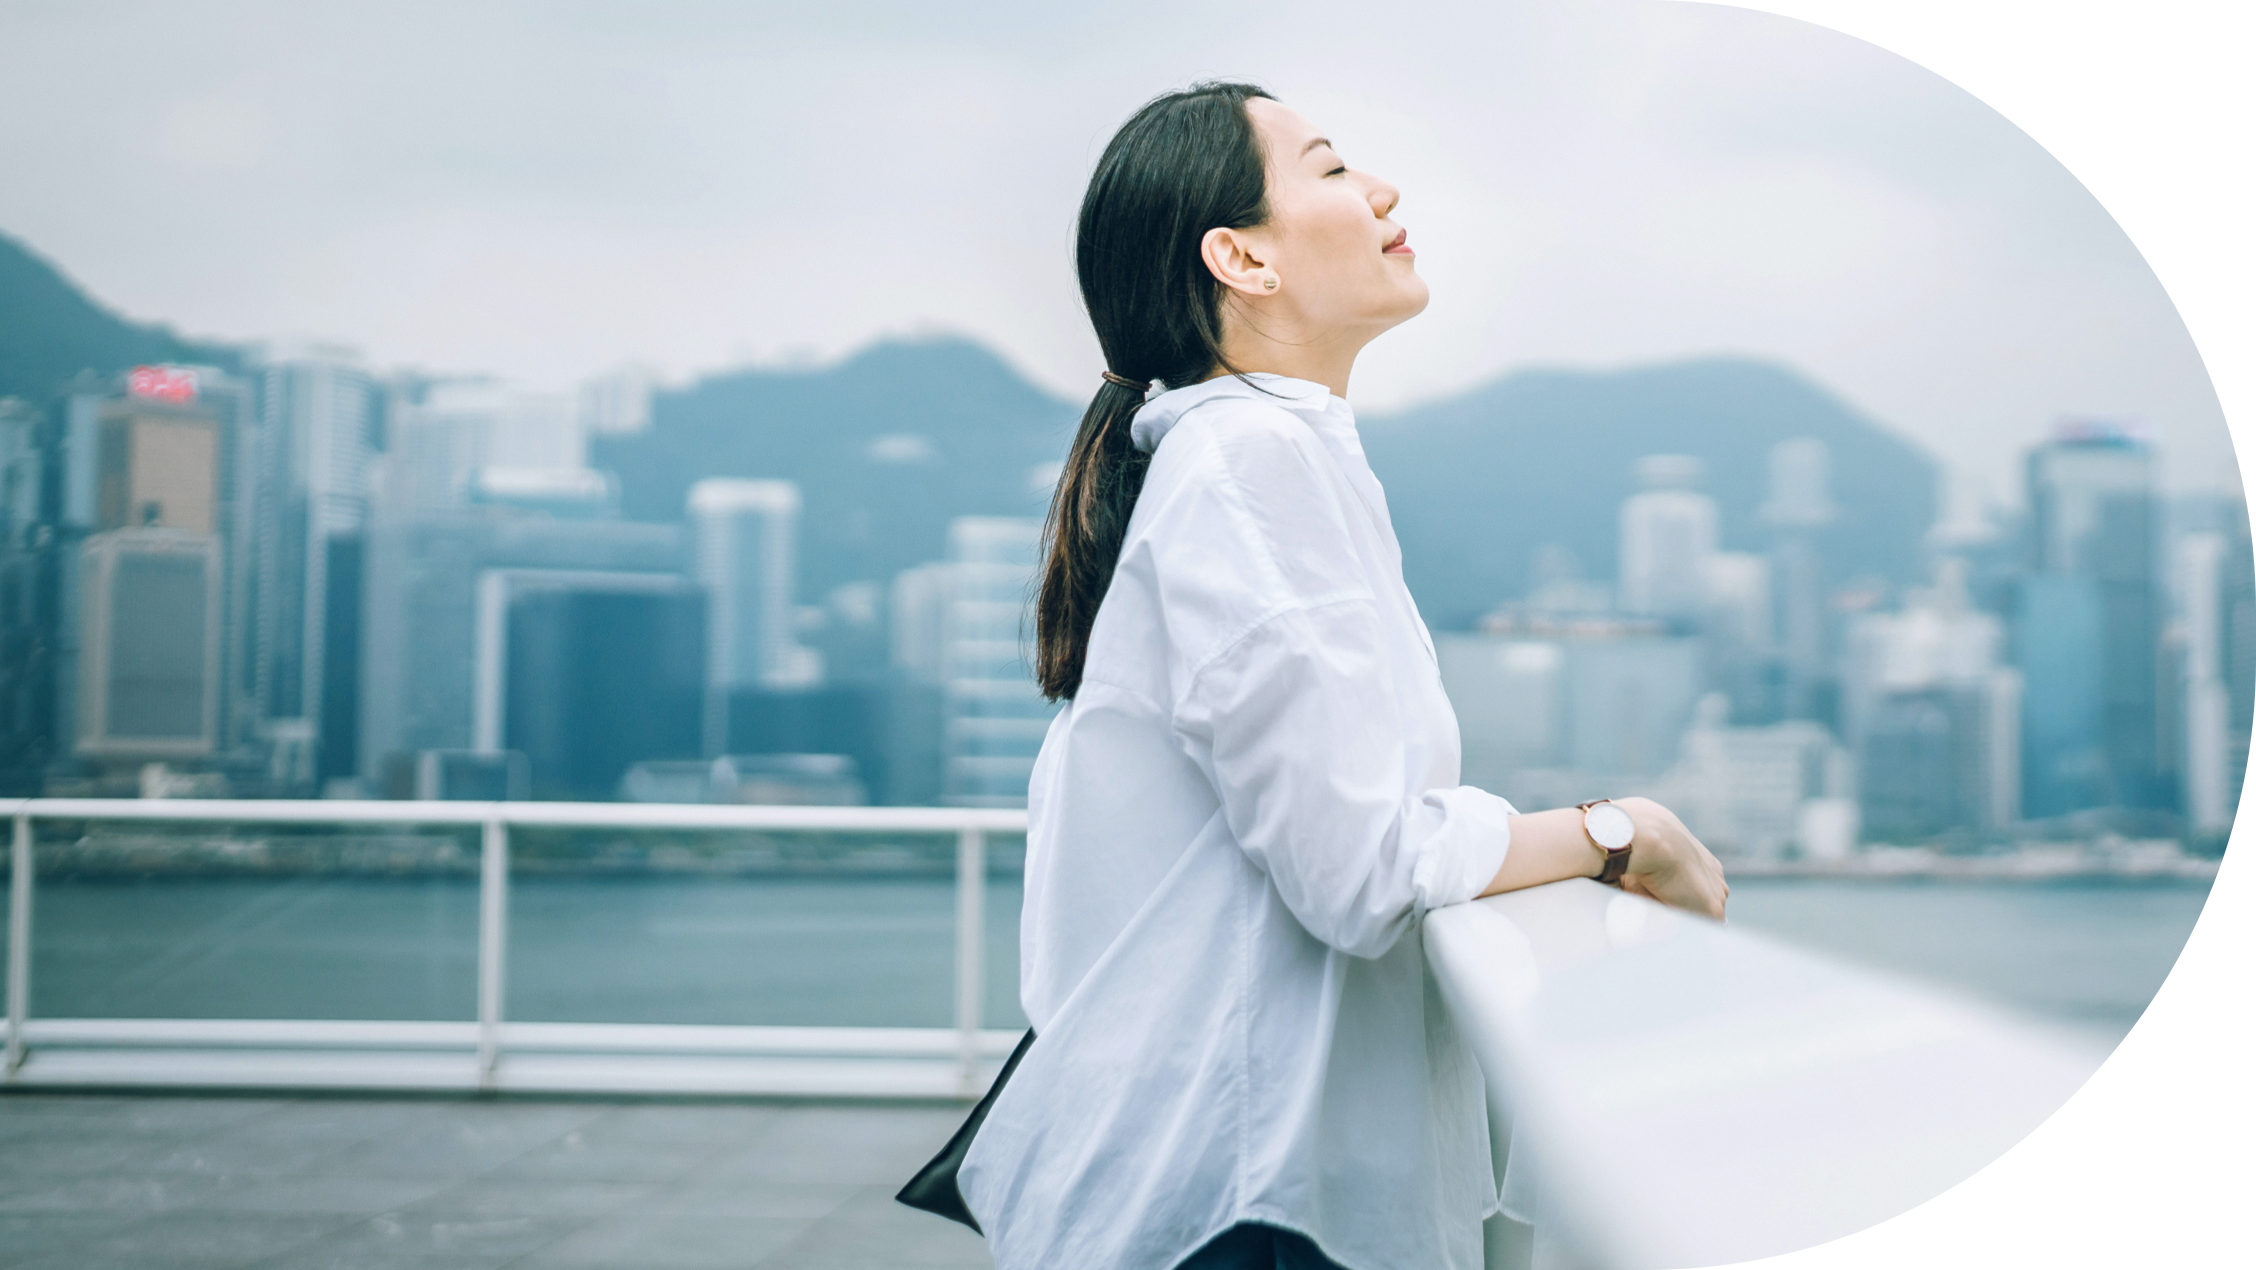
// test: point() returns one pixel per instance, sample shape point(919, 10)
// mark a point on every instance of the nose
point(1383, 198)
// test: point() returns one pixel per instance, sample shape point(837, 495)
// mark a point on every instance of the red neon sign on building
point(165, 383)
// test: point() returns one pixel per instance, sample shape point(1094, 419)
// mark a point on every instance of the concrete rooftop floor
point(196, 1183)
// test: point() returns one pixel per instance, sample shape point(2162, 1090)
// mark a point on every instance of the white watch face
point(1609, 826)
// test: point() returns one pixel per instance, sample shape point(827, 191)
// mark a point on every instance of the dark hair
point(1186, 163)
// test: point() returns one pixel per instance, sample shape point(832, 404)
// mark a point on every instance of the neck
point(1327, 358)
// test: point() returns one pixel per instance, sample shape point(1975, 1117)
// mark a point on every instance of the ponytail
point(1186, 163)
point(1104, 471)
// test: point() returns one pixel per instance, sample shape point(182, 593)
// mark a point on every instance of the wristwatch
point(1609, 829)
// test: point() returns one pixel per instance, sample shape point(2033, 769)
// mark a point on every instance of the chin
point(1414, 299)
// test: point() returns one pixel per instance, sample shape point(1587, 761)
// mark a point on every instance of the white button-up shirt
point(1236, 825)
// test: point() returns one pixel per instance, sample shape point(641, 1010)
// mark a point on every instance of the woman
point(1250, 795)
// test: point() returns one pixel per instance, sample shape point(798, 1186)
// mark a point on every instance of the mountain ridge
point(51, 330)
point(894, 440)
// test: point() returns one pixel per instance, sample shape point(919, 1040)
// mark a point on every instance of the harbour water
point(879, 951)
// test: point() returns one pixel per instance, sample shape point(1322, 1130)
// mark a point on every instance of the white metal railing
point(494, 1053)
point(1668, 1091)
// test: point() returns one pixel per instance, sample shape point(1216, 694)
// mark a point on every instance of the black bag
point(933, 1189)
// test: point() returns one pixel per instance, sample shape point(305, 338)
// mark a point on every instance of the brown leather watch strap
point(1617, 858)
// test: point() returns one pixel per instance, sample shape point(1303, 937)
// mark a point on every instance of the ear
point(1237, 260)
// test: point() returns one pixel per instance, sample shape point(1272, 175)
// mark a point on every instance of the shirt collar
point(1311, 401)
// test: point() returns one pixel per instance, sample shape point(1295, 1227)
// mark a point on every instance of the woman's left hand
point(1668, 864)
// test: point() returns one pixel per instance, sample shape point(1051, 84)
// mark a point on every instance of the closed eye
point(1341, 170)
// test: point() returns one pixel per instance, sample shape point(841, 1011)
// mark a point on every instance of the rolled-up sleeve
point(1297, 724)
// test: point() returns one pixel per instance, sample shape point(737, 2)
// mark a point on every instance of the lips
point(1400, 245)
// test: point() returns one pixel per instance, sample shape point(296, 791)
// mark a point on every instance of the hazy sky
point(546, 190)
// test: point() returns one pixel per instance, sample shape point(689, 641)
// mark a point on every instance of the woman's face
point(1341, 263)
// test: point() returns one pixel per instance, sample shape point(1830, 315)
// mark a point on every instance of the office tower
point(2094, 540)
point(423, 631)
point(1508, 694)
point(993, 714)
point(1798, 509)
point(1554, 709)
point(1668, 532)
point(459, 428)
point(2217, 624)
point(1736, 622)
point(2236, 613)
point(158, 464)
point(26, 658)
point(617, 402)
point(149, 680)
point(918, 606)
point(171, 451)
point(432, 449)
point(1750, 792)
point(600, 673)
point(1933, 715)
point(746, 553)
point(308, 520)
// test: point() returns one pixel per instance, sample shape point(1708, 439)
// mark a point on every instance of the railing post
point(493, 944)
point(19, 940)
point(971, 940)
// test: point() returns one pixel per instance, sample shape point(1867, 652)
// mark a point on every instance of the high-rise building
point(1750, 792)
point(2216, 605)
point(1798, 509)
point(914, 689)
point(303, 550)
point(26, 554)
point(617, 402)
point(1737, 623)
point(2094, 536)
point(1554, 709)
point(422, 631)
point(166, 448)
point(993, 715)
point(1933, 715)
point(601, 673)
point(149, 681)
point(745, 536)
point(1668, 533)
point(436, 445)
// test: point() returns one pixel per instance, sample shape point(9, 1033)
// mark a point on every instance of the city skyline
point(1670, 182)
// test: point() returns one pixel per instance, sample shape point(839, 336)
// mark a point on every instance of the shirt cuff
point(1459, 860)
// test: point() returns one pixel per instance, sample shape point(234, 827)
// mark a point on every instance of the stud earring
point(1268, 282)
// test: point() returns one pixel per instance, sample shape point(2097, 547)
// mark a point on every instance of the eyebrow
point(1320, 141)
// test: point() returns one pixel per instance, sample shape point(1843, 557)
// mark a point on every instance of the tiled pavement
point(161, 1183)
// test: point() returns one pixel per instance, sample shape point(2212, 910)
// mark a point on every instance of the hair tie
point(1126, 382)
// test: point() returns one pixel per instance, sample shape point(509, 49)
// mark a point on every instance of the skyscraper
point(149, 676)
point(993, 714)
point(420, 687)
point(1933, 715)
point(304, 548)
point(1668, 532)
point(26, 555)
point(746, 542)
point(2090, 618)
point(1798, 510)
point(2216, 605)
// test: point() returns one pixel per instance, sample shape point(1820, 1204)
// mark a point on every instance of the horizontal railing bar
point(933, 820)
point(659, 1038)
point(355, 1034)
point(686, 1039)
point(456, 1072)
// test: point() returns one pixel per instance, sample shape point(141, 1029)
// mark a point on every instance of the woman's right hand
point(1668, 864)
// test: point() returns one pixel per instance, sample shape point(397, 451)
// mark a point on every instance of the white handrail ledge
point(1676, 1092)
